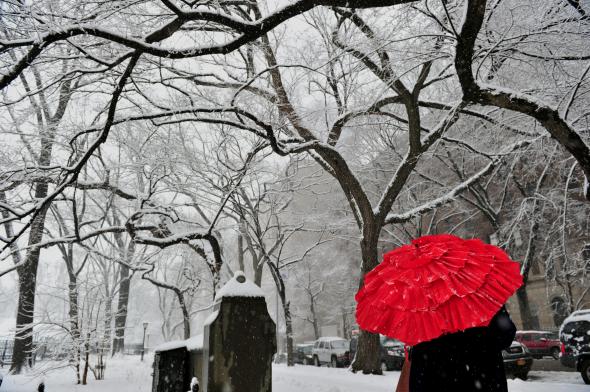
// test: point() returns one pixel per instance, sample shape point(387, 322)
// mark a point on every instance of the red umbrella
point(436, 285)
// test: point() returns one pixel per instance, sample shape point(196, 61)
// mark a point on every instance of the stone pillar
point(176, 364)
point(171, 372)
point(239, 340)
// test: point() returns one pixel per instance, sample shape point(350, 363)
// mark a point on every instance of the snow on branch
point(71, 175)
point(508, 99)
point(453, 193)
point(247, 32)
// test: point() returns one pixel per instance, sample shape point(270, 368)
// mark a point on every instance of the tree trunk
point(74, 324)
point(241, 265)
point(287, 314)
point(16, 255)
point(124, 290)
point(366, 358)
point(289, 331)
point(257, 266)
point(280, 285)
point(186, 318)
point(368, 348)
point(345, 326)
point(27, 278)
point(121, 315)
point(316, 327)
point(529, 320)
point(86, 360)
point(108, 333)
point(27, 273)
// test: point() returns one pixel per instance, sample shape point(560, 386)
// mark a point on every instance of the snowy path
point(309, 378)
point(131, 375)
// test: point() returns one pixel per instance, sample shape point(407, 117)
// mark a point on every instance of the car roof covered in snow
point(533, 332)
point(578, 315)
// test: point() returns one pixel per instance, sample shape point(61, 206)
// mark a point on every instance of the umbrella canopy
point(438, 284)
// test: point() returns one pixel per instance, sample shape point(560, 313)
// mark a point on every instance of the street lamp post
point(145, 325)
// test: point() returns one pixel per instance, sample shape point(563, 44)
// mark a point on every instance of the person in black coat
point(470, 360)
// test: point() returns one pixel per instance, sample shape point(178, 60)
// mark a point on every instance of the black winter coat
point(465, 361)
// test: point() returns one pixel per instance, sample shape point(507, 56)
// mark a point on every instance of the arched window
point(559, 309)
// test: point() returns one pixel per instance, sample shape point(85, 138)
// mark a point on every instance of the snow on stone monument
point(239, 340)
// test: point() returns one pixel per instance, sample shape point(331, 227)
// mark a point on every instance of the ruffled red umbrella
point(436, 285)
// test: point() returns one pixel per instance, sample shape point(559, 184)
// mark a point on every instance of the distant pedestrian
point(41, 387)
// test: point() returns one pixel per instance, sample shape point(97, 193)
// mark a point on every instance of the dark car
point(517, 361)
point(540, 343)
point(575, 343)
point(391, 352)
point(302, 354)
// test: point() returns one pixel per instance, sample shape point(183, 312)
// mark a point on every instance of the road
point(548, 364)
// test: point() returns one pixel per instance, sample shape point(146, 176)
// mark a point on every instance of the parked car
point(575, 342)
point(303, 353)
point(517, 361)
point(391, 353)
point(540, 343)
point(333, 351)
point(279, 358)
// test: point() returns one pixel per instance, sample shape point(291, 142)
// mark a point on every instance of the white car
point(331, 350)
point(575, 342)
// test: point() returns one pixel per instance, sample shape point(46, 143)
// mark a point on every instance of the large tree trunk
point(27, 278)
point(121, 315)
point(529, 320)
point(367, 354)
point(27, 273)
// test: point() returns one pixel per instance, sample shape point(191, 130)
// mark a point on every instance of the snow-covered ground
point(309, 378)
point(131, 375)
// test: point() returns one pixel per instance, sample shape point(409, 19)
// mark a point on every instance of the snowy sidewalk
point(309, 378)
point(131, 375)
